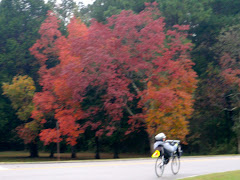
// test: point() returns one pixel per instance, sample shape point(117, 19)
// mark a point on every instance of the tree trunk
point(52, 150)
point(229, 114)
point(115, 146)
point(151, 142)
point(51, 154)
point(97, 156)
point(33, 148)
point(238, 138)
point(73, 152)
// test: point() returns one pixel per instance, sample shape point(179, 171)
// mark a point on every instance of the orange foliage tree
point(55, 103)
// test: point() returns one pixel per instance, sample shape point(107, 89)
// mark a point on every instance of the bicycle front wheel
point(159, 166)
point(175, 165)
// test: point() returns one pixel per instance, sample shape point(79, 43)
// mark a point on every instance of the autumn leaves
point(130, 68)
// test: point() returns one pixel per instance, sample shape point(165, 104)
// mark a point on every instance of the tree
point(230, 72)
point(211, 127)
point(19, 22)
point(228, 42)
point(205, 18)
point(133, 58)
point(53, 53)
point(21, 93)
point(103, 9)
point(227, 49)
point(212, 100)
point(188, 12)
point(65, 9)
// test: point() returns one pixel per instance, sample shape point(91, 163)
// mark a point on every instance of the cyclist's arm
point(157, 143)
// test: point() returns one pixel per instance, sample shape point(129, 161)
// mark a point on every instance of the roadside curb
point(108, 160)
point(76, 161)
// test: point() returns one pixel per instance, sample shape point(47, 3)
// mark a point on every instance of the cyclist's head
point(160, 137)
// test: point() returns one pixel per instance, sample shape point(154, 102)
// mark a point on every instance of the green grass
point(22, 156)
point(231, 175)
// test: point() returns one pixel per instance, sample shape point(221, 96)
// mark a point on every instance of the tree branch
point(135, 87)
point(230, 109)
point(129, 110)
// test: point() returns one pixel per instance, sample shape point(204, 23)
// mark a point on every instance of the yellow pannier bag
point(156, 154)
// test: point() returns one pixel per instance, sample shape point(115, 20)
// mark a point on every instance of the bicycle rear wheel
point(159, 166)
point(175, 165)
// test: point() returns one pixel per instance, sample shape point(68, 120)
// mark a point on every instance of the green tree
point(229, 42)
point(19, 22)
point(211, 128)
point(103, 9)
point(228, 49)
point(7, 134)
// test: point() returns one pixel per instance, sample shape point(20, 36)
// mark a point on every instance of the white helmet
point(160, 136)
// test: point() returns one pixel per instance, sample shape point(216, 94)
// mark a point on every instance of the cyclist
point(167, 147)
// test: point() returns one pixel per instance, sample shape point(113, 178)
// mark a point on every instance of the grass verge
point(231, 175)
point(22, 156)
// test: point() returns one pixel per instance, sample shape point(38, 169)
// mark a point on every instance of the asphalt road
point(132, 169)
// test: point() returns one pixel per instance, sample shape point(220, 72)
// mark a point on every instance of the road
point(131, 169)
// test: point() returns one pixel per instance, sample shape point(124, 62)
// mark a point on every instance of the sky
point(85, 2)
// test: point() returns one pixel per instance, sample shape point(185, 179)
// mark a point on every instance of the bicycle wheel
point(159, 166)
point(175, 165)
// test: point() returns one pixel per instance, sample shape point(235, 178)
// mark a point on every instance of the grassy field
point(231, 175)
point(22, 156)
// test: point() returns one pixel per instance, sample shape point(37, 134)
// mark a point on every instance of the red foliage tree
point(133, 57)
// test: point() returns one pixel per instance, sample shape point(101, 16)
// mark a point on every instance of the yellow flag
point(156, 154)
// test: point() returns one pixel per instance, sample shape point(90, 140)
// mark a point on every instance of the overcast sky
point(85, 2)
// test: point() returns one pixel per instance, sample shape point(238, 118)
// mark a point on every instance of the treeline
point(112, 83)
